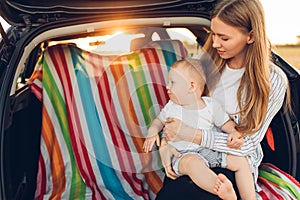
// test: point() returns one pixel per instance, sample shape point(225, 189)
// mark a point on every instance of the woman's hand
point(235, 140)
point(175, 130)
point(166, 152)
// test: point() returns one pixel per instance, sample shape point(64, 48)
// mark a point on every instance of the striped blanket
point(96, 110)
point(277, 184)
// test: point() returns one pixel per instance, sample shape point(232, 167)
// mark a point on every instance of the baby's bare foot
point(224, 189)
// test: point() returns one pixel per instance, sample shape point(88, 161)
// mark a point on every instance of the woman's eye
point(224, 38)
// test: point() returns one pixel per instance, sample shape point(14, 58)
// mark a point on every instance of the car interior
point(82, 103)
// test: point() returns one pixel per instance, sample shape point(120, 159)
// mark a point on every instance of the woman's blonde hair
point(253, 92)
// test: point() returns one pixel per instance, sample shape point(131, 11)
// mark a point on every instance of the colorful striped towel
point(277, 184)
point(96, 110)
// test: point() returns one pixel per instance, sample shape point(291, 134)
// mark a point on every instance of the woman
point(245, 82)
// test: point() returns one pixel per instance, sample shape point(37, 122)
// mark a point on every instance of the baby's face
point(178, 86)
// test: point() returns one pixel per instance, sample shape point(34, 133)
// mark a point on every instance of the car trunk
point(35, 24)
point(38, 23)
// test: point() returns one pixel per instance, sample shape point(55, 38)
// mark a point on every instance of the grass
point(290, 53)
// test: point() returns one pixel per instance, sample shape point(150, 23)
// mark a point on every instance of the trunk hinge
point(27, 22)
point(3, 35)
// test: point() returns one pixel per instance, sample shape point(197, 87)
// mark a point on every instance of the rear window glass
point(127, 41)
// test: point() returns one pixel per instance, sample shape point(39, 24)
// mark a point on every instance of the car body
point(110, 29)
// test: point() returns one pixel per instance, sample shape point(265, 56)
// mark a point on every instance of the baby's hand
point(235, 140)
point(149, 142)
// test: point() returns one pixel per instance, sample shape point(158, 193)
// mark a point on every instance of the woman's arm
point(217, 140)
point(176, 130)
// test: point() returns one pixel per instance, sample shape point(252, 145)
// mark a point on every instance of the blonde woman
point(245, 81)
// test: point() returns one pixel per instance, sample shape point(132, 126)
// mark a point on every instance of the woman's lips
point(220, 52)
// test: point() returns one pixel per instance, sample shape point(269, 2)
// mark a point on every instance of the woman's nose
point(216, 43)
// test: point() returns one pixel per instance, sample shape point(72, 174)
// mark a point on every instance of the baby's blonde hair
point(194, 69)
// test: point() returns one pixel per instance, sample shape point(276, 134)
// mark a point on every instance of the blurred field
point(290, 53)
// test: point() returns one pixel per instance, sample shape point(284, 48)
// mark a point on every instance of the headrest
point(169, 45)
point(139, 43)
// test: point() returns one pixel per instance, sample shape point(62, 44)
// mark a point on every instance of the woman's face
point(229, 41)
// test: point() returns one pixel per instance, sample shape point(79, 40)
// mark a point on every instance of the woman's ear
point(250, 38)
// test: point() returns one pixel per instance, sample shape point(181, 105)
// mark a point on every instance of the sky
point(282, 20)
